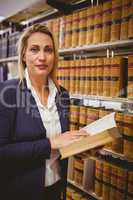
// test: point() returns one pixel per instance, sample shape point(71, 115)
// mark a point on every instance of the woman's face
point(39, 55)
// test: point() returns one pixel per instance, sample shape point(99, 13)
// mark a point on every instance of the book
point(101, 132)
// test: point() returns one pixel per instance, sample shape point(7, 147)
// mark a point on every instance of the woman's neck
point(39, 84)
point(42, 89)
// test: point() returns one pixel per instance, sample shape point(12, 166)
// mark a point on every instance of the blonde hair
point(22, 45)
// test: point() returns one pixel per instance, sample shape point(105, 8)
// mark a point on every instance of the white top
point(51, 122)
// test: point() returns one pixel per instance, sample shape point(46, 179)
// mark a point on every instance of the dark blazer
point(23, 143)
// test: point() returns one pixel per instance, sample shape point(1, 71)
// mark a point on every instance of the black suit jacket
point(23, 143)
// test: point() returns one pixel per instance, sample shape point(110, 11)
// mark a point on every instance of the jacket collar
point(61, 103)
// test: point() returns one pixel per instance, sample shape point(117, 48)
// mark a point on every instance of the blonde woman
point(34, 112)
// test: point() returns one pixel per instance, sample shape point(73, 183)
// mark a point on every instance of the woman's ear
point(24, 59)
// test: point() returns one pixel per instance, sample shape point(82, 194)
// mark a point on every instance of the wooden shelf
point(98, 47)
point(90, 194)
point(121, 104)
point(120, 160)
point(88, 48)
point(9, 59)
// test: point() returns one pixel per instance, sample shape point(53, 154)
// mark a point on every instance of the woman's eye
point(49, 50)
point(34, 50)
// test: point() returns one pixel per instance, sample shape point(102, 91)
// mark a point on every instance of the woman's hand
point(67, 138)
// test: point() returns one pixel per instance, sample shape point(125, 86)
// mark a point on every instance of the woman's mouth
point(42, 66)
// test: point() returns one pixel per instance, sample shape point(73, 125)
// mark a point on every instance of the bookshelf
point(91, 195)
point(51, 10)
point(121, 104)
point(125, 45)
point(101, 46)
point(115, 158)
point(9, 59)
point(106, 156)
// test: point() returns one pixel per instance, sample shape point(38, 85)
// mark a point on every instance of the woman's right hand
point(67, 138)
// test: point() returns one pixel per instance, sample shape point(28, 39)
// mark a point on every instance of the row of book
point(12, 43)
point(4, 45)
point(101, 178)
point(130, 76)
point(3, 72)
point(8, 71)
point(8, 44)
point(73, 194)
point(83, 115)
point(112, 182)
point(110, 21)
point(100, 76)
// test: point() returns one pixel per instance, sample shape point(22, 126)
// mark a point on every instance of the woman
point(33, 114)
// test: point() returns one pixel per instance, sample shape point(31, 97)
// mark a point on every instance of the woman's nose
point(42, 55)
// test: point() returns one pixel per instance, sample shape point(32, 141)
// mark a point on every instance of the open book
point(101, 132)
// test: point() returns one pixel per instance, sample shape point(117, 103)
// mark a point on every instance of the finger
point(75, 136)
point(81, 134)
point(73, 141)
point(84, 131)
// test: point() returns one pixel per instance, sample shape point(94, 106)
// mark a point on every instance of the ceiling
point(16, 11)
point(11, 7)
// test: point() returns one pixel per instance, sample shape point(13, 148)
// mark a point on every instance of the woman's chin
point(42, 72)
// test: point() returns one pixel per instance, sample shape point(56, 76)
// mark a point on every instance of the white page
point(101, 125)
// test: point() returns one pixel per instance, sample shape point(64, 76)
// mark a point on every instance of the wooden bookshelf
point(9, 59)
point(90, 194)
point(101, 46)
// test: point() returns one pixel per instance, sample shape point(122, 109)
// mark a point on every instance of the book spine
point(87, 89)
point(99, 74)
point(130, 25)
point(82, 75)
point(98, 178)
point(82, 117)
point(82, 27)
point(130, 76)
point(62, 28)
point(106, 22)
point(78, 170)
point(130, 182)
point(121, 183)
point(106, 181)
point(67, 73)
point(93, 77)
point(116, 19)
point(72, 76)
point(113, 182)
point(58, 73)
point(117, 77)
point(125, 19)
point(106, 77)
point(75, 29)
point(118, 144)
point(68, 31)
point(92, 114)
point(128, 135)
point(90, 25)
point(56, 31)
point(74, 117)
point(97, 34)
point(102, 113)
point(77, 75)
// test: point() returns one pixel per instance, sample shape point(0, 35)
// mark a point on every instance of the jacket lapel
point(62, 103)
point(32, 108)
